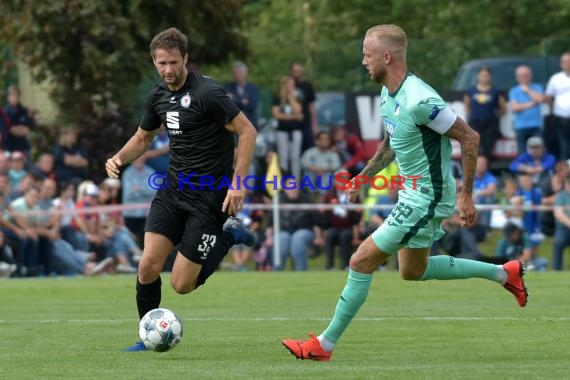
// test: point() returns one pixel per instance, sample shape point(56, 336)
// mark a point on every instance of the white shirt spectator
point(558, 87)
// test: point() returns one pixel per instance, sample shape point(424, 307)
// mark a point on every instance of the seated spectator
point(484, 189)
point(562, 230)
point(71, 160)
point(5, 188)
point(299, 229)
point(549, 187)
point(44, 167)
point(24, 242)
point(158, 154)
point(17, 169)
point(89, 223)
point(118, 239)
point(531, 222)
point(517, 245)
point(462, 242)
point(136, 190)
point(535, 161)
point(525, 99)
point(341, 228)
point(66, 205)
point(4, 161)
point(350, 149)
point(34, 259)
point(8, 265)
point(22, 124)
point(320, 162)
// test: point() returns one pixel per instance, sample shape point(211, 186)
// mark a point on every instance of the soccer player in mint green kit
point(418, 127)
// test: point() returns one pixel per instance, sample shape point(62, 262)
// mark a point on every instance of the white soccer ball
point(160, 330)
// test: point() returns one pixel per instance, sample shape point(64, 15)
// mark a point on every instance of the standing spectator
point(5, 126)
point(44, 167)
point(525, 100)
point(484, 189)
point(558, 96)
point(158, 154)
point(485, 105)
point(549, 187)
point(287, 110)
point(243, 93)
point(306, 95)
point(350, 149)
point(71, 160)
point(320, 162)
point(536, 161)
point(22, 123)
point(137, 190)
point(562, 231)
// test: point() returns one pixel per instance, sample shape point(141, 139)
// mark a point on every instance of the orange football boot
point(515, 282)
point(309, 349)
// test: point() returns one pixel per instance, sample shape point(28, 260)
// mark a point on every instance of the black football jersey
point(201, 148)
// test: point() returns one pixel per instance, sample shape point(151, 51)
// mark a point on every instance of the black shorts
point(193, 221)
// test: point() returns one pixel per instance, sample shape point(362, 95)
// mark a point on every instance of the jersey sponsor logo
point(390, 126)
point(185, 101)
point(434, 113)
point(172, 120)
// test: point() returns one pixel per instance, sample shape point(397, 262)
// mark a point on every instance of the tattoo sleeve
point(469, 141)
point(383, 157)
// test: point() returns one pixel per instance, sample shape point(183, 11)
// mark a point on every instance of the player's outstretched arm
point(469, 141)
point(133, 149)
point(247, 134)
point(383, 157)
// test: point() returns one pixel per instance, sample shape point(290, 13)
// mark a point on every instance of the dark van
point(503, 70)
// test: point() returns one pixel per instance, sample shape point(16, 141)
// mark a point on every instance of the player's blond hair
point(392, 35)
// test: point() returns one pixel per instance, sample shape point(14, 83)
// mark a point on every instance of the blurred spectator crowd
point(44, 232)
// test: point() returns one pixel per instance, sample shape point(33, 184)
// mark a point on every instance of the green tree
point(95, 53)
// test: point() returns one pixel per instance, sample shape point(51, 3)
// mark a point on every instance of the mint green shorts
point(409, 225)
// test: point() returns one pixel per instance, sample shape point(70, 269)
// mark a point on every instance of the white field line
point(269, 319)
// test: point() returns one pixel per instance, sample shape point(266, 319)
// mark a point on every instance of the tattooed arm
point(383, 157)
point(469, 141)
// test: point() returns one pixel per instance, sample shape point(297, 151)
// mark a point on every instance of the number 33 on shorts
point(208, 242)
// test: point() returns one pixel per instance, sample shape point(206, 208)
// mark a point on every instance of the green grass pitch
point(75, 328)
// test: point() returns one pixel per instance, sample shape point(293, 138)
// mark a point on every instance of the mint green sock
point(352, 297)
point(451, 268)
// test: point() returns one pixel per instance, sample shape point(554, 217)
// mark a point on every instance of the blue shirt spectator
point(158, 154)
point(244, 94)
point(525, 100)
point(530, 117)
point(535, 161)
point(531, 196)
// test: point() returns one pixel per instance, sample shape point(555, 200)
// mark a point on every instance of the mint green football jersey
point(416, 118)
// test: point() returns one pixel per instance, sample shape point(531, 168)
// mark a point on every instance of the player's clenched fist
point(113, 167)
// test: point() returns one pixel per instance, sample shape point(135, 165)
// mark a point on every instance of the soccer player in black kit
point(192, 214)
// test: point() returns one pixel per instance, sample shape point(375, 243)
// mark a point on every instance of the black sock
point(148, 296)
point(215, 257)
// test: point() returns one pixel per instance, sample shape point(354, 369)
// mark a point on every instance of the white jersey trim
point(443, 121)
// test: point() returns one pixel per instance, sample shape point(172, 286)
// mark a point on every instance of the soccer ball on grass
point(160, 330)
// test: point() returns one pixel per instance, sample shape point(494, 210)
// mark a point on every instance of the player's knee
point(148, 271)
point(182, 286)
point(411, 274)
point(364, 261)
